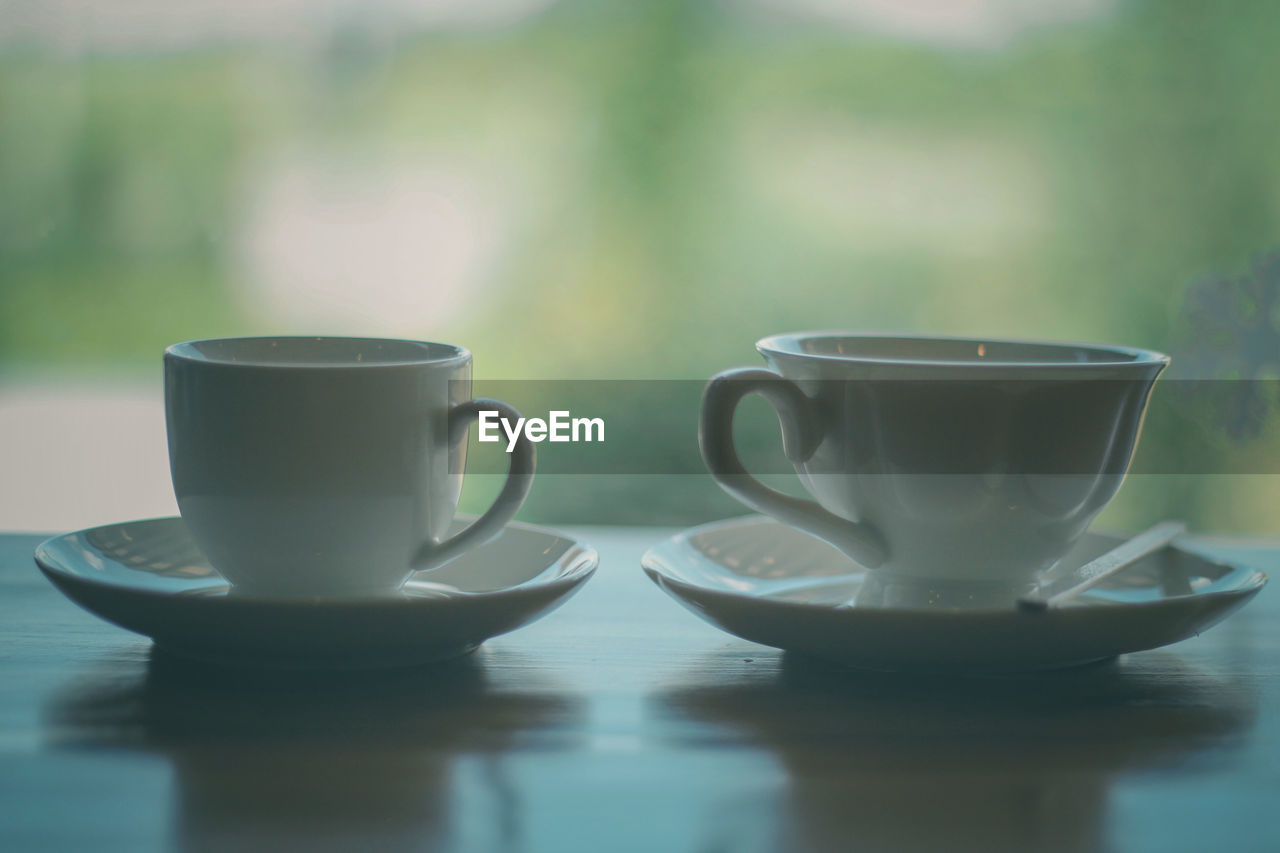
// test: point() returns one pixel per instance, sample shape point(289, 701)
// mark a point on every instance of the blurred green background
point(635, 190)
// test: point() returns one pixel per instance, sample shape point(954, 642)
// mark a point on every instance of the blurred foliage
point(680, 180)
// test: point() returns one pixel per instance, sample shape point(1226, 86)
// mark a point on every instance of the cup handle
point(801, 436)
point(505, 506)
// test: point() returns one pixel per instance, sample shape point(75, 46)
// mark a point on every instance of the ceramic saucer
point(765, 582)
point(148, 577)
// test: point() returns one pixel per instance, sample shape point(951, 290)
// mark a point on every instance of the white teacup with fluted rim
point(327, 467)
point(949, 459)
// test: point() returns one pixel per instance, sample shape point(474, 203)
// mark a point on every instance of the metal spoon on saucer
point(1060, 587)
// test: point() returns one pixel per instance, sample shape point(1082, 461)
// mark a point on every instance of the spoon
point(1059, 587)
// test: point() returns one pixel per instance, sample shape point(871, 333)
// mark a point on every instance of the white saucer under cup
point(327, 467)
point(149, 577)
point(769, 583)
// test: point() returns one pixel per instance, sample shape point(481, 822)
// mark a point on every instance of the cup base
point(897, 591)
point(278, 594)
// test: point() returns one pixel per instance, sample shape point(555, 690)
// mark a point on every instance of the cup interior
point(315, 351)
point(888, 349)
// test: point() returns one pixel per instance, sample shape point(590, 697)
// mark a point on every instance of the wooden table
point(621, 722)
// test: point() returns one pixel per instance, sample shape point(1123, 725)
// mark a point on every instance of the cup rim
point(435, 354)
point(790, 344)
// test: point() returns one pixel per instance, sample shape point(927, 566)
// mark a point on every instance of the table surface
point(622, 722)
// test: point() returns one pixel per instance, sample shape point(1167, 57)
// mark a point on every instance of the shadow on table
point(909, 762)
point(314, 761)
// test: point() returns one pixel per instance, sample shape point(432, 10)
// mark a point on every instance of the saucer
point(772, 584)
point(149, 577)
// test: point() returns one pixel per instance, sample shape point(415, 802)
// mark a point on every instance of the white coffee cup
point(939, 458)
point(327, 467)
